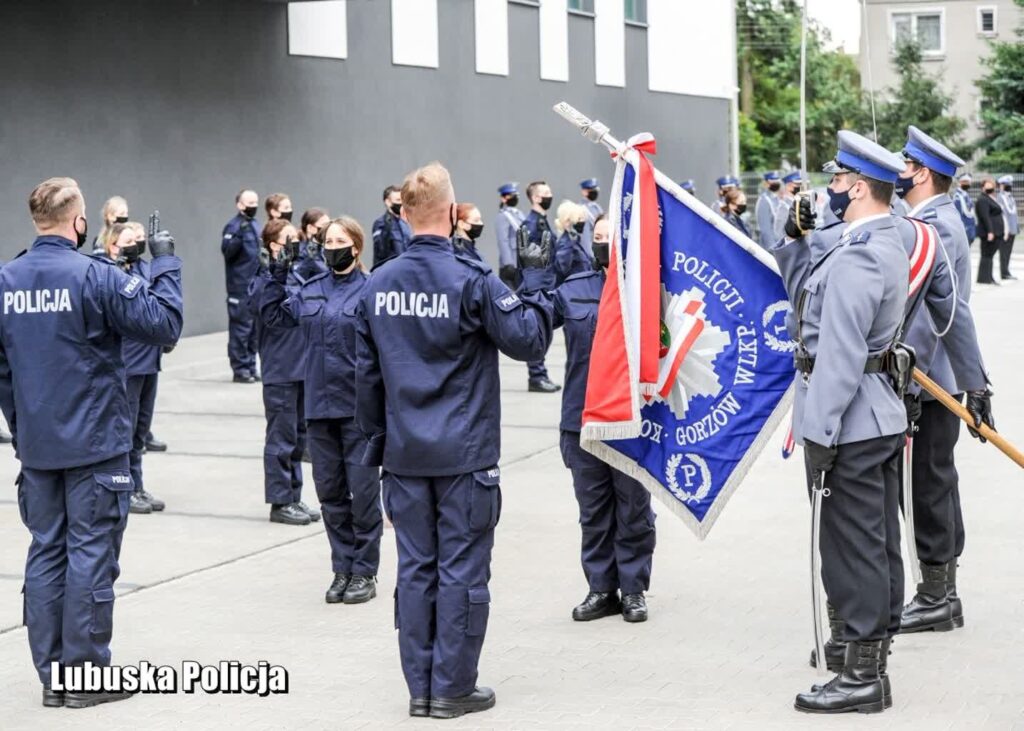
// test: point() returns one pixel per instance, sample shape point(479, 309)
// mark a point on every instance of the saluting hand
point(801, 218)
point(161, 244)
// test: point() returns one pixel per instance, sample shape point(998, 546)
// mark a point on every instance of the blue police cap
point(726, 180)
point(1005, 180)
point(966, 178)
point(589, 184)
point(688, 185)
point(771, 176)
point(931, 153)
point(508, 188)
point(858, 154)
point(794, 177)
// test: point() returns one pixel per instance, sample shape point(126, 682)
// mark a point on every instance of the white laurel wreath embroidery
point(672, 466)
point(779, 346)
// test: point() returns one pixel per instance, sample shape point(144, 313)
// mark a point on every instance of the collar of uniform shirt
point(861, 221)
point(924, 204)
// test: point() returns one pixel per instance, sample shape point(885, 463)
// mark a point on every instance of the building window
point(987, 21)
point(636, 11)
point(582, 6)
point(925, 27)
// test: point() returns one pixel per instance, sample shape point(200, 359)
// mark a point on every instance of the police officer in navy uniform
point(536, 279)
point(468, 229)
point(349, 492)
point(938, 520)
point(1009, 206)
point(432, 323)
point(590, 190)
point(391, 233)
point(61, 327)
point(507, 223)
point(767, 204)
point(616, 519)
point(689, 186)
point(240, 245)
point(848, 415)
point(965, 207)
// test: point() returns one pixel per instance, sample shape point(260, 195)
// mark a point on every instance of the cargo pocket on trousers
point(102, 625)
point(479, 598)
point(485, 500)
point(113, 490)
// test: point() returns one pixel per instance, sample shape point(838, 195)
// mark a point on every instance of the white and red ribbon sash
point(923, 256)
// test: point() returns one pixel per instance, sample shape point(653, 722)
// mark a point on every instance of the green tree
point(919, 100)
point(1002, 104)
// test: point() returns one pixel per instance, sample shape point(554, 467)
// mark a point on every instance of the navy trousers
point(77, 517)
point(444, 528)
point(241, 337)
point(141, 404)
point(285, 442)
point(537, 369)
point(616, 522)
point(349, 495)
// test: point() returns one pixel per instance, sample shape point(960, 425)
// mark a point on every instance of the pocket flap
point(479, 595)
point(490, 477)
point(351, 309)
point(116, 481)
point(103, 594)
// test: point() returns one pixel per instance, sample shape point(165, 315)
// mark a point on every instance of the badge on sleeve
point(131, 287)
point(507, 301)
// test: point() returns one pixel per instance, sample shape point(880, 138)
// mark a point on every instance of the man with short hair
point(768, 204)
point(240, 245)
point(538, 231)
point(431, 324)
point(1009, 205)
point(391, 233)
point(62, 391)
point(509, 219)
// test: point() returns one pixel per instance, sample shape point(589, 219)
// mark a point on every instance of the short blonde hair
point(427, 192)
point(137, 227)
point(568, 212)
point(53, 201)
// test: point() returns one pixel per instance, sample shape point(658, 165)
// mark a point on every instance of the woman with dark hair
point(468, 227)
point(311, 232)
point(735, 205)
point(991, 229)
point(278, 205)
point(281, 357)
point(349, 492)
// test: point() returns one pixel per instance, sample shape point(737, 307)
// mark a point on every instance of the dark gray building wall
point(177, 104)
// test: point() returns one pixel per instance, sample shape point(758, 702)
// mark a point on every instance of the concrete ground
point(727, 641)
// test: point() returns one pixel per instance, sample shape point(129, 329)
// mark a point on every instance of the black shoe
point(290, 514)
point(858, 687)
point(597, 604)
point(156, 503)
point(337, 588)
point(883, 671)
point(634, 608)
point(5, 438)
point(954, 598)
point(835, 648)
point(53, 698)
point(1007, 277)
point(544, 385)
point(314, 515)
point(243, 378)
point(360, 589)
point(155, 445)
point(138, 504)
point(419, 707)
point(87, 700)
point(479, 700)
point(930, 609)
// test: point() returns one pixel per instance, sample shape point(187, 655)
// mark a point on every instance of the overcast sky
point(842, 17)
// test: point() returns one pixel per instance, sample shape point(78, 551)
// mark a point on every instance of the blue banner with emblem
point(725, 359)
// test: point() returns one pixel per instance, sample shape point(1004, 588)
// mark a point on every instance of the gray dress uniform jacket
point(505, 227)
point(764, 212)
point(854, 302)
point(1009, 205)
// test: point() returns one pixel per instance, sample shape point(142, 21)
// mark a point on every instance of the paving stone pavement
point(726, 645)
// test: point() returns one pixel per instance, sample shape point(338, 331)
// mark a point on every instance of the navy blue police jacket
point(310, 262)
point(140, 359)
point(325, 310)
point(240, 245)
point(574, 306)
point(62, 321)
point(281, 348)
point(570, 256)
point(427, 388)
point(467, 248)
point(391, 236)
point(539, 280)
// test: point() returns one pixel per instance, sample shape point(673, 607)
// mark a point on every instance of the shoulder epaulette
point(581, 275)
point(861, 237)
point(476, 264)
point(315, 278)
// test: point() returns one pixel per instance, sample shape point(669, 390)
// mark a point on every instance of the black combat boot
point(634, 607)
point(52, 698)
point(479, 700)
point(337, 589)
point(154, 502)
point(314, 515)
point(87, 700)
point(835, 648)
point(930, 609)
point(138, 504)
point(954, 598)
point(597, 604)
point(360, 589)
point(883, 671)
point(289, 514)
point(858, 687)
point(419, 707)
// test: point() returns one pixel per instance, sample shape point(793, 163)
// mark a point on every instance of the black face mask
point(121, 219)
point(1007, 188)
point(130, 253)
point(774, 187)
point(601, 254)
point(740, 210)
point(249, 211)
point(285, 215)
point(965, 186)
point(512, 201)
point(545, 202)
point(80, 236)
point(339, 259)
point(395, 208)
point(838, 203)
point(592, 194)
point(474, 231)
point(579, 226)
point(989, 191)
point(904, 186)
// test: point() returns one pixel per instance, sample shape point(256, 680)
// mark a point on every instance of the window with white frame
point(636, 11)
point(582, 6)
point(926, 27)
point(987, 21)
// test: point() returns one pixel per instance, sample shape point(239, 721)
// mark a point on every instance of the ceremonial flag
point(692, 367)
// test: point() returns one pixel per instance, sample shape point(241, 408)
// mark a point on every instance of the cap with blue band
point(771, 176)
point(508, 189)
point(858, 154)
point(930, 153)
point(589, 184)
point(794, 177)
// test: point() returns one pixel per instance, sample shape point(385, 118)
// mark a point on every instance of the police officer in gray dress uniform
point(791, 183)
point(508, 221)
point(848, 415)
point(767, 205)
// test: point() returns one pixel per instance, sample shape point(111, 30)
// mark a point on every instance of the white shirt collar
point(861, 221)
point(923, 204)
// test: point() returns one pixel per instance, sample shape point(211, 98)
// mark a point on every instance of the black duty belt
point(875, 364)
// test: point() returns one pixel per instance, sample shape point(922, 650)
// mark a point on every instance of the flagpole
point(803, 90)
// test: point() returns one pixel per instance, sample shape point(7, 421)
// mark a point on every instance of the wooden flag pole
point(957, 408)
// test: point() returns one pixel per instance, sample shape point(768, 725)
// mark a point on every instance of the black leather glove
point(509, 275)
point(979, 406)
point(801, 217)
point(913, 406)
point(161, 244)
point(821, 459)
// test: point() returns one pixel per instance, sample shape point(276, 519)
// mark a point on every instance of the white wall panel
point(609, 43)
point(691, 47)
point(554, 40)
point(491, 30)
point(318, 29)
point(414, 33)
